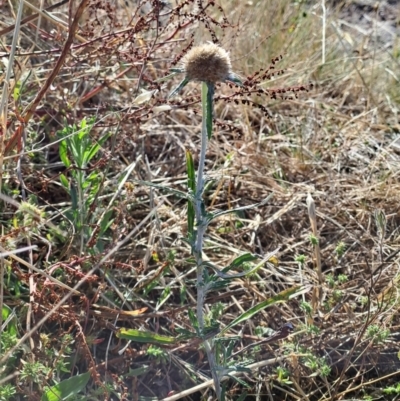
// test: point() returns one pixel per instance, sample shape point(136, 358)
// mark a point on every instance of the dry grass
point(338, 143)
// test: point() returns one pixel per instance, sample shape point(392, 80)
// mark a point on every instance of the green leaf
point(209, 109)
point(192, 188)
point(179, 87)
point(169, 76)
point(64, 182)
point(176, 70)
point(74, 197)
point(185, 334)
point(222, 273)
point(193, 319)
point(21, 84)
point(89, 154)
point(144, 337)
point(63, 150)
point(12, 324)
point(106, 222)
point(223, 393)
point(190, 171)
point(240, 381)
point(17, 91)
point(281, 297)
point(66, 388)
point(163, 297)
point(245, 258)
point(138, 371)
point(235, 79)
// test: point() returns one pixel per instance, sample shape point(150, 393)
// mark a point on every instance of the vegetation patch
point(199, 199)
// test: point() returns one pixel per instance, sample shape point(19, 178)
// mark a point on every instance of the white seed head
point(207, 63)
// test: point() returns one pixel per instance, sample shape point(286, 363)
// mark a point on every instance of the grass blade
point(144, 337)
point(281, 297)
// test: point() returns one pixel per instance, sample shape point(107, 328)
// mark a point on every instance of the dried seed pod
point(207, 63)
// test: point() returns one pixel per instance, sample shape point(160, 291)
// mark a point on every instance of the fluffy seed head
point(207, 63)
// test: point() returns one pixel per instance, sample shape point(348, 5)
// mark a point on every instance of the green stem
point(201, 226)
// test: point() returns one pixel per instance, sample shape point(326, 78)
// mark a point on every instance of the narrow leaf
point(222, 273)
point(11, 326)
point(169, 76)
point(192, 188)
point(64, 153)
point(247, 257)
point(90, 153)
point(179, 87)
point(235, 79)
point(281, 297)
point(144, 337)
point(106, 221)
point(193, 319)
point(190, 171)
point(64, 182)
point(164, 297)
point(67, 388)
point(209, 107)
point(177, 70)
point(138, 371)
point(74, 197)
point(17, 91)
point(240, 381)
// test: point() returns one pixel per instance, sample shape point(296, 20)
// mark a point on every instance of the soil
point(377, 19)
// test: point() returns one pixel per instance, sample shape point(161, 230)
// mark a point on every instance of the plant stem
point(201, 226)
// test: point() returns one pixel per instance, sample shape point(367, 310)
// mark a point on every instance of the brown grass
point(337, 143)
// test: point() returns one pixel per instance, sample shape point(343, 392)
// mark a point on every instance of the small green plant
point(282, 375)
point(216, 311)
point(208, 64)
point(330, 280)
point(392, 390)
point(317, 364)
point(158, 354)
point(306, 307)
point(83, 185)
point(313, 239)
point(301, 259)
point(363, 300)
point(34, 372)
point(8, 338)
point(337, 295)
point(377, 334)
point(367, 398)
point(312, 329)
point(7, 391)
point(340, 249)
point(333, 281)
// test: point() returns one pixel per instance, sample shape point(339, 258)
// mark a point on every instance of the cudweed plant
point(207, 64)
point(283, 376)
point(7, 392)
point(76, 152)
point(210, 65)
point(377, 334)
